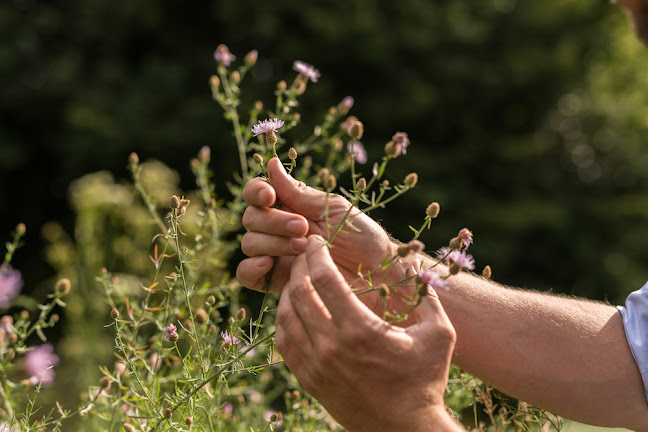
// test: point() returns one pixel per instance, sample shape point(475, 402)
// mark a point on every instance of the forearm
point(566, 355)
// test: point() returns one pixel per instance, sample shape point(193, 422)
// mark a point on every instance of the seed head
point(411, 179)
point(212, 329)
point(292, 153)
point(323, 174)
point(432, 210)
point(62, 287)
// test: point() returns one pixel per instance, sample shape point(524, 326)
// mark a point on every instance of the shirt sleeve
point(635, 323)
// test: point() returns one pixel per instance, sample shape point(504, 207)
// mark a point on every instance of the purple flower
point(461, 259)
point(306, 70)
point(227, 409)
point(170, 332)
point(444, 252)
point(267, 126)
point(466, 237)
point(10, 285)
point(401, 141)
point(433, 279)
point(39, 363)
point(223, 55)
point(228, 338)
point(273, 416)
point(358, 151)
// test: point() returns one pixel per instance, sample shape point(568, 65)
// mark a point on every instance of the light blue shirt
point(635, 323)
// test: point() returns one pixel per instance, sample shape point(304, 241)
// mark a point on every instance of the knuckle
point(247, 244)
point(248, 217)
point(299, 290)
point(320, 276)
point(329, 353)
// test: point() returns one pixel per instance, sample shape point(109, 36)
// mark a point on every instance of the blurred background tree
point(526, 118)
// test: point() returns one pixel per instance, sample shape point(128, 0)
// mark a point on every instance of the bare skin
point(563, 354)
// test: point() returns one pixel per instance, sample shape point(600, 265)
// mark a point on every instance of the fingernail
point(260, 262)
point(296, 228)
point(264, 197)
point(298, 244)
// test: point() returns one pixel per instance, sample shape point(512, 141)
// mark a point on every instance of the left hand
point(368, 374)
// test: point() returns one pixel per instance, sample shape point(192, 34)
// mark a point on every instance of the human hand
point(368, 374)
point(280, 232)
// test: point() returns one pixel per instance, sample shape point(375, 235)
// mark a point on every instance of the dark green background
point(527, 118)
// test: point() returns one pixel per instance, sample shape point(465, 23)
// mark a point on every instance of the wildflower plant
point(189, 352)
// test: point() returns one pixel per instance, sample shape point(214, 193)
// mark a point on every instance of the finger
point(289, 353)
point(255, 244)
point(258, 192)
point(295, 194)
point(306, 302)
point(430, 315)
point(252, 272)
point(274, 221)
point(291, 325)
point(337, 296)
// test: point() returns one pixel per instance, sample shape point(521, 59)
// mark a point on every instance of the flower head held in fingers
point(306, 70)
point(460, 260)
point(268, 127)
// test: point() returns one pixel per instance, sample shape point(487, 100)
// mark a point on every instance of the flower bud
point(296, 395)
point(423, 290)
point(432, 210)
point(114, 313)
point(487, 272)
point(415, 246)
point(240, 314)
point(258, 105)
point(235, 77)
point(362, 184)
point(385, 183)
point(281, 86)
point(201, 316)
point(323, 174)
point(212, 329)
point(411, 179)
point(214, 82)
point(357, 130)
point(21, 229)
point(204, 155)
point(231, 320)
point(211, 299)
point(292, 153)
point(188, 421)
point(338, 145)
point(403, 251)
point(128, 427)
point(271, 137)
point(391, 149)
point(62, 287)
point(133, 158)
point(330, 183)
point(250, 58)
point(215, 315)
point(174, 338)
point(167, 413)
point(454, 268)
point(455, 243)
point(174, 203)
point(105, 382)
point(345, 105)
point(333, 110)
point(384, 290)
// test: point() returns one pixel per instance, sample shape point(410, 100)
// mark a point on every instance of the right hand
point(280, 232)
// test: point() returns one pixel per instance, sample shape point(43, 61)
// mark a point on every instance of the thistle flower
point(266, 126)
point(229, 339)
point(358, 151)
point(223, 55)
point(171, 332)
point(461, 260)
point(345, 105)
point(307, 70)
point(401, 142)
point(466, 237)
point(433, 279)
point(10, 285)
point(39, 363)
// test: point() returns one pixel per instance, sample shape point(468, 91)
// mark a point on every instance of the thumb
point(294, 194)
point(430, 315)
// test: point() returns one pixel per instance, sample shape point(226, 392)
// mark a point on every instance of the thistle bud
point(391, 149)
point(384, 290)
point(167, 413)
point(338, 145)
point(345, 105)
point(235, 77)
point(411, 179)
point(356, 130)
point(487, 272)
point(330, 183)
point(204, 155)
point(454, 269)
point(296, 395)
point(133, 158)
point(214, 82)
point(174, 203)
point(250, 58)
point(212, 329)
point(292, 153)
point(215, 315)
point(403, 251)
point(201, 316)
point(333, 110)
point(275, 417)
point(415, 246)
point(128, 427)
point(258, 105)
point(21, 229)
point(105, 382)
point(240, 314)
point(174, 338)
point(231, 320)
point(62, 287)
point(281, 86)
point(362, 184)
point(385, 183)
point(211, 299)
point(323, 174)
point(114, 313)
point(423, 290)
point(188, 421)
point(432, 210)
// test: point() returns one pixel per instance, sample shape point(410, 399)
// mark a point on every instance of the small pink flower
point(466, 237)
point(307, 70)
point(10, 285)
point(228, 338)
point(273, 416)
point(266, 126)
point(170, 331)
point(401, 140)
point(462, 259)
point(39, 363)
point(223, 55)
point(358, 151)
point(433, 279)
